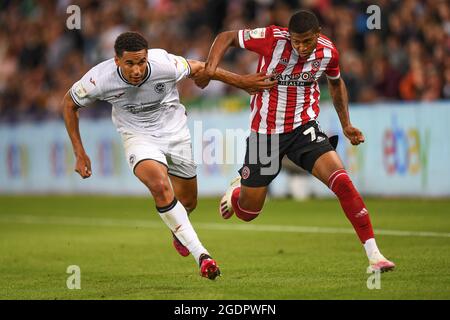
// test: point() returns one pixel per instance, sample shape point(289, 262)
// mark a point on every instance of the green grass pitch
point(294, 250)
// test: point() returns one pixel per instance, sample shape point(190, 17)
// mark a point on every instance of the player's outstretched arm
point(252, 83)
point(338, 92)
point(220, 45)
point(71, 120)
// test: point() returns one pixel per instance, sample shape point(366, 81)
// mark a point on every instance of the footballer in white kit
point(149, 116)
point(141, 84)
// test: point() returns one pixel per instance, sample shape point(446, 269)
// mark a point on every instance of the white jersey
point(150, 108)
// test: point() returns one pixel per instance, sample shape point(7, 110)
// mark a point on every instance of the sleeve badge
point(258, 33)
point(80, 91)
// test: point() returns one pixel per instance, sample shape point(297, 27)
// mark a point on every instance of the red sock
point(242, 214)
point(352, 204)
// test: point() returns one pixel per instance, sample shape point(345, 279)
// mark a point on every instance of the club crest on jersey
point(245, 172)
point(316, 65)
point(160, 87)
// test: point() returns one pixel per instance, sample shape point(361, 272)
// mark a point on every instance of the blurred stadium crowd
point(407, 59)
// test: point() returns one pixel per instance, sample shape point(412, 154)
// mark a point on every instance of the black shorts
point(264, 153)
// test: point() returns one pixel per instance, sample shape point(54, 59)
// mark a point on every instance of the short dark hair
point(130, 41)
point(303, 21)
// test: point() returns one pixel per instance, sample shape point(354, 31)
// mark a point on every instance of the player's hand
point(253, 83)
point(203, 77)
point(354, 135)
point(83, 165)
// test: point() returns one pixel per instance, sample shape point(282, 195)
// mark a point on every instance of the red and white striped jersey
point(295, 99)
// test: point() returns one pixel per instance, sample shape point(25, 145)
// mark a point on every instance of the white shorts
point(174, 151)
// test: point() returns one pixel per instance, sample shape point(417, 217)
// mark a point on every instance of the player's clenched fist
point(203, 77)
point(354, 135)
point(83, 166)
point(253, 83)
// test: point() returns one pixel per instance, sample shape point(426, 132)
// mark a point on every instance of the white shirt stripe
point(311, 113)
point(301, 95)
point(299, 106)
point(308, 67)
point(325, 40)
point(325, 44)
point(327, 54)
point(278, 51)
point(282, 93)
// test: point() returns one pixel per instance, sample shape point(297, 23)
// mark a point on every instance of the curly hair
point(303, 21)
point(130, 41)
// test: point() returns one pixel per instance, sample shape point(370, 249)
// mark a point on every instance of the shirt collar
point(148, 71)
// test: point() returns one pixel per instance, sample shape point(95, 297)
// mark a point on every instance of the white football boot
point(378, 263)
point(226, 208)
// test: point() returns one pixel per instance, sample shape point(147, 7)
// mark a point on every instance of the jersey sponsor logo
point(295, 79)
point(114, 96)
point(80, 91)
point(160, 87)
point(258, 33)
point(143, 107)
point(306, 76)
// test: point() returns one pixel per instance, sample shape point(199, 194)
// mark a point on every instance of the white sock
point(176, 218)
point(372, 250)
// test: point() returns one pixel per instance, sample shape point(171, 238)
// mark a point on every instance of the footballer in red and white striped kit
point(295, 101)
point(283, 121)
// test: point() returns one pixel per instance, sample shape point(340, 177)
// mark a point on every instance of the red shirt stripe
point(273, 100)
point(291, 101)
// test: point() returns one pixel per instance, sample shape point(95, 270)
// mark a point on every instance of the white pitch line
point(102, 222)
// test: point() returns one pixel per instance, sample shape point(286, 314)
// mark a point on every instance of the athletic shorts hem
point(185, 178)
point(135, 165)
point(310, 158)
